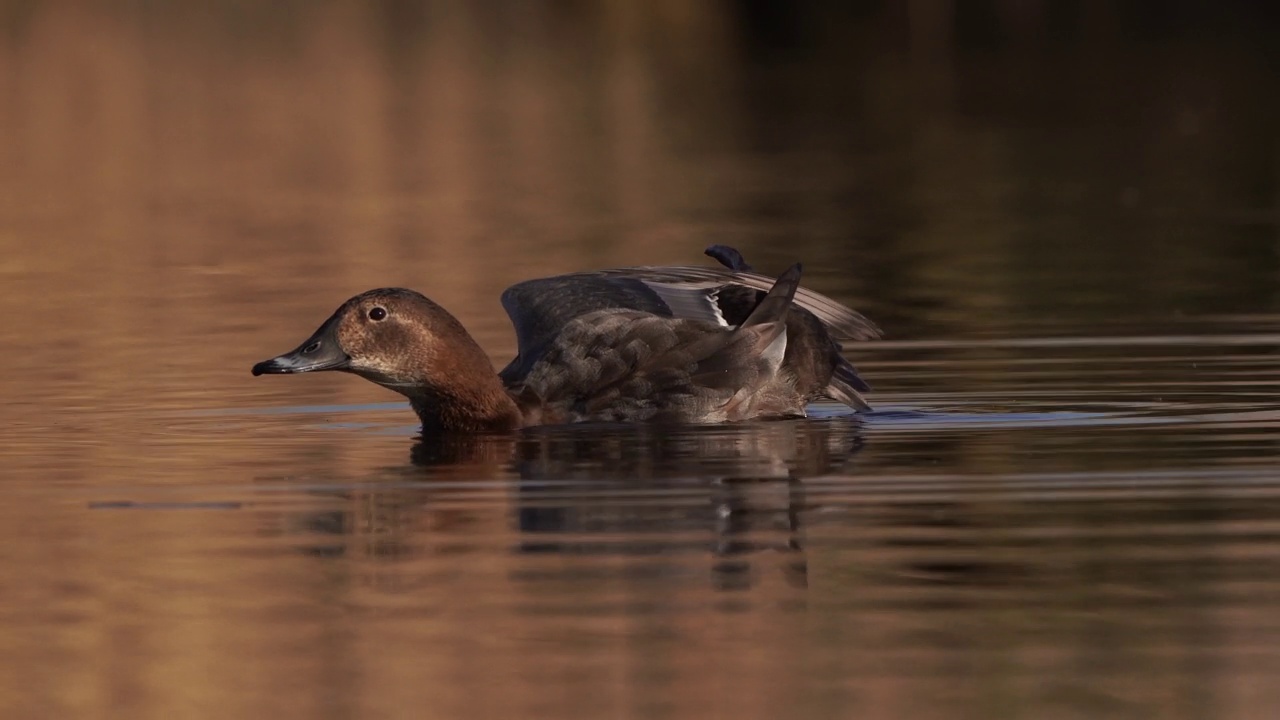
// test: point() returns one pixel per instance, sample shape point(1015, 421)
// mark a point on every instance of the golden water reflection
point(1083, 528)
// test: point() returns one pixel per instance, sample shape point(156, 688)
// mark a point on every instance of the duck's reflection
point(736, 492)
point(732, 494)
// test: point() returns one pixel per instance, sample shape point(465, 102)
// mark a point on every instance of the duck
point(682, 344)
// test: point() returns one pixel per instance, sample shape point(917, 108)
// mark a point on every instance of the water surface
point(1066, 503)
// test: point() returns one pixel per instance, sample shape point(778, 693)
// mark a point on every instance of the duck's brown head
point(402, 341)
point(391, 336)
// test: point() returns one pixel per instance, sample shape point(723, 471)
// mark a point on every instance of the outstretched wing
point(678, 282)
point(540, 309)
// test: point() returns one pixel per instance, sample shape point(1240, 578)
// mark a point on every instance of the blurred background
point(189, 187)
point(952, 168)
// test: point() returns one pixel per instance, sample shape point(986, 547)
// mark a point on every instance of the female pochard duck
point(683, 344)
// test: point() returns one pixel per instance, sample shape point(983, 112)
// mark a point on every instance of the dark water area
point(1064, 215)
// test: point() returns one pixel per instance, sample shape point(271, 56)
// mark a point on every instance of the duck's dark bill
point(319, 352)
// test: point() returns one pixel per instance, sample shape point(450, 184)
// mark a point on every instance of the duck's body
point(695, 345)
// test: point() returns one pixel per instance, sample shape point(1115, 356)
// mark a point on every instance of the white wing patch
point(696, 301)
point(714, 299)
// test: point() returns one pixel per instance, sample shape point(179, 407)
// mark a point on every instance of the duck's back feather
point(631, 365)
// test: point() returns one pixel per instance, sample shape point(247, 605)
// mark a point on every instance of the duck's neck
point(461, 392)
point(465, 408)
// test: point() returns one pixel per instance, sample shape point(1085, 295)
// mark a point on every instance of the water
point(1065, 505)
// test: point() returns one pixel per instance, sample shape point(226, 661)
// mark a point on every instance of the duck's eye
point(377, 313)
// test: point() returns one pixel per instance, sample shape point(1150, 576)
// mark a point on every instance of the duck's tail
point(845, 386)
